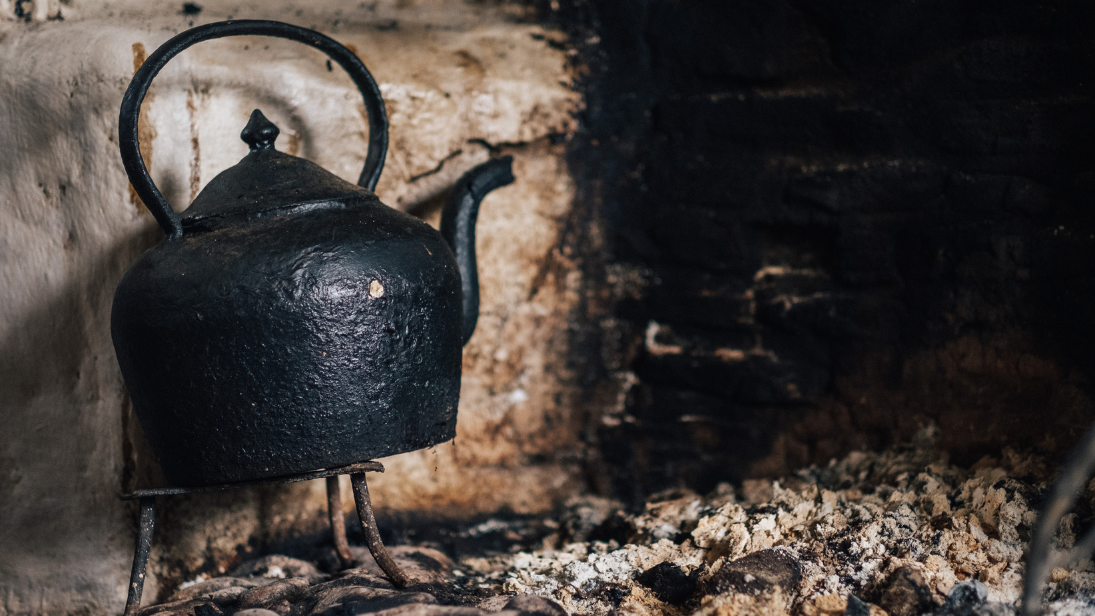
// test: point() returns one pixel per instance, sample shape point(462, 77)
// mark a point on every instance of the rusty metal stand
point(372, 534)
point(338, 523)
point(140, 557)
point(334, 513)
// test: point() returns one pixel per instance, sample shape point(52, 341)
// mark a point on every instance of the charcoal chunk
point(669, 582)
point(906, 594)
point(758, 573)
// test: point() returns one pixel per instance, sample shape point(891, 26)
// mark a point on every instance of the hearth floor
point(901, 532)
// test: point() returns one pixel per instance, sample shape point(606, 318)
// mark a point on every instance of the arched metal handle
point(131, 104)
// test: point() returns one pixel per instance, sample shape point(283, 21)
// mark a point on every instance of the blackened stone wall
point(854, 219)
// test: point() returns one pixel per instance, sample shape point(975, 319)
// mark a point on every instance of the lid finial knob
point(259, 133)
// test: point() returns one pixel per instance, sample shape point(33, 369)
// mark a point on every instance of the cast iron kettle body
point(290, 321)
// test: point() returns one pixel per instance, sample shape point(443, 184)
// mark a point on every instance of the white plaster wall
point(456, 78)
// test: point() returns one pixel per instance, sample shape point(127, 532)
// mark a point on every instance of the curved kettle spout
point(458, 228)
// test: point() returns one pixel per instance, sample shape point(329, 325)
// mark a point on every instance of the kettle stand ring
point(129, 116)
point(356, 472)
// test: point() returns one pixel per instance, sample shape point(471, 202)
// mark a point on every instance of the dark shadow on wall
point(56, 354)
point(55, 379)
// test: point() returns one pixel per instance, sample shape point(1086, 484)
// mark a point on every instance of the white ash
point(959, 532)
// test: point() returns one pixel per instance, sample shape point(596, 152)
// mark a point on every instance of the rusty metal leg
point(372, 535)
point(338, 523)
point(140, 555)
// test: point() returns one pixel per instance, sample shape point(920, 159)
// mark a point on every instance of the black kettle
point(289, 321)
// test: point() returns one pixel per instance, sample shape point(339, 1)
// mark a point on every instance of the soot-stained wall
point(833, 225)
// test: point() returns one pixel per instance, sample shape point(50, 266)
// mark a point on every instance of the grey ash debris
point(901, 532)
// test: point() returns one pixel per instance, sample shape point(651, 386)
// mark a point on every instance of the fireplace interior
point(806, 331)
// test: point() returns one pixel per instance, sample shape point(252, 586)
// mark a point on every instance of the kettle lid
point(267, 180)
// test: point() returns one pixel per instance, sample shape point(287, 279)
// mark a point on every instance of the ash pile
point(901, 532)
